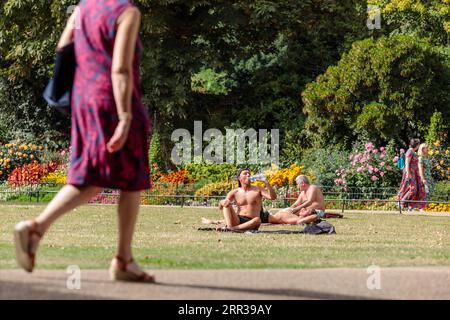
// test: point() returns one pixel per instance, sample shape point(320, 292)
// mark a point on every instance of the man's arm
point(309, 201)
point(268, 192)
point(228, 199)
point(298, 201)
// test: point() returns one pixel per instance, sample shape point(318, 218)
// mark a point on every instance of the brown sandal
point(22, 235)
point(120, 272)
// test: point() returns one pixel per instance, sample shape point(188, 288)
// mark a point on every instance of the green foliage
point(398, 80)
point(207, 81)
point(430, 19)
point(155, 156)
point(215, 189)
point(184, 41)
point(321, 164)
point(441, 189)
point(437, 129)
point(209, 172)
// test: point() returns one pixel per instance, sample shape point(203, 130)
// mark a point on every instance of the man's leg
point(308, 219)
point(231, 217)
point(211, 221)
point(252, 224)
point(284, 217)
point(233, 222)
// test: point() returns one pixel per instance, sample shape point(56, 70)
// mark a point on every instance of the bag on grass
point(319, 227)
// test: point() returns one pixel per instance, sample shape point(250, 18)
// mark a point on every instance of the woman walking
point(110, 129)
point(412, 190)
point(425, 170)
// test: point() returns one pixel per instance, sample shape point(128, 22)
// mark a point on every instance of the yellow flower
point(1, 172)
point(441, 162)
point(437, 143)
point(436, 152)
point(438, 167)
point(430, 152)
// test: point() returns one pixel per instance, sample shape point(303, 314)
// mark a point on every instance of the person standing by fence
point(412, 190)
point(425, 170)
point(110, 129)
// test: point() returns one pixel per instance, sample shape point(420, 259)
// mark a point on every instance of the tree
point(180, 39)
point(388, 87)
point(424, 19)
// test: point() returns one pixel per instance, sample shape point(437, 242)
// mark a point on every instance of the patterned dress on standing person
point(426, 165)
point(412, 190)
point(94, 113)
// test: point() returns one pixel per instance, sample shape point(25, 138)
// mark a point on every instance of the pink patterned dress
point(94, 113)
point(412, 190)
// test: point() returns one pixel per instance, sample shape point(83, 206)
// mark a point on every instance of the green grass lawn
point(167, 238)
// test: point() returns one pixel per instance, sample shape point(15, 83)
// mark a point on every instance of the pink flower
point(360, 169)
point(63, 153)
point(375, 151)
point(382, 149)
point(402, 151)
point(381, 173)
point(382, 156)
point(342, 170)
point(370, 169)
point(382, 164)
point(395, 159)
point(369, 146)
point(376, 169)
point(374, 178)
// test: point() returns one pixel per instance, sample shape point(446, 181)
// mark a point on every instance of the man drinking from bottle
point(248, 214)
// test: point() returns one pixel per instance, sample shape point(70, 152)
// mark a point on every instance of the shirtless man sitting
point(248, 198)
point(309, 206)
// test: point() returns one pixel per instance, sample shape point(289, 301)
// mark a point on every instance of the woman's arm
point(128, 26)
point(408, 157)
point(421, 170)
point(67, 35)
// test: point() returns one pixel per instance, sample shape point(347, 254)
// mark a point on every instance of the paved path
point(396, 283)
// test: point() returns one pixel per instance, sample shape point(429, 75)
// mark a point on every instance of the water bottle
point(258, 177)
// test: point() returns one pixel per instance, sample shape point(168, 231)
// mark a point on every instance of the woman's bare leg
point(67, 199)
point(128, 210)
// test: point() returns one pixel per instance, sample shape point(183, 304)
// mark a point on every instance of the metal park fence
point(173, 194)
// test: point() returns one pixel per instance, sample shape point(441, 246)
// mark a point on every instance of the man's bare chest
point(248, 198)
